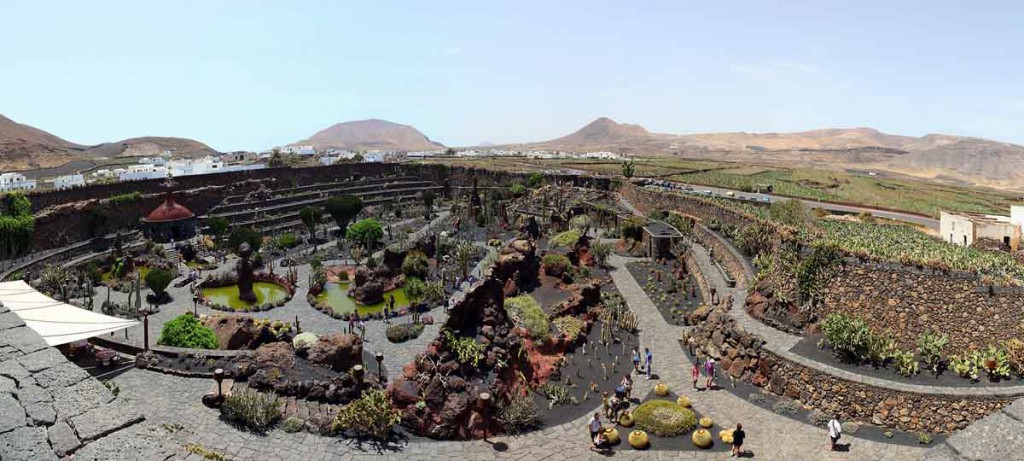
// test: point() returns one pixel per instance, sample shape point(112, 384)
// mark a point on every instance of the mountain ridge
point(370, 134)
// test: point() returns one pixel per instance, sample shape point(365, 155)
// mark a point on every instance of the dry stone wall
point(911, 302)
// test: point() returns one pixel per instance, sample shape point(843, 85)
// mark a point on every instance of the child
point(709, 370)
point(606, 404)
point(695, 374)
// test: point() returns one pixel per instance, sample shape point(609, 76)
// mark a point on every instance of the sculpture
point(245, 274)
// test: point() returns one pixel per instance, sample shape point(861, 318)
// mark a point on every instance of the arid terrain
point(368, 135)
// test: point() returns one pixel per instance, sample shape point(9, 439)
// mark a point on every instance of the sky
point(257, 74)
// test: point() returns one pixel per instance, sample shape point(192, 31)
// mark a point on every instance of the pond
point(335, 295)
point(266, 292)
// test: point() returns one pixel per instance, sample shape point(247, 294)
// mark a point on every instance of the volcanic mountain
point(26, 147)
point(935, 156)
point(369, 135)
point(23, 146)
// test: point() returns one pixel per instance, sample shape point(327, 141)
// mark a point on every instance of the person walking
point(649, 359)
point(737, 441)
point(594, 424)
point(835, 431)
point(351, 323)
point(362, 329)
point(695, 373)
point(709, 370)
point(636, 360)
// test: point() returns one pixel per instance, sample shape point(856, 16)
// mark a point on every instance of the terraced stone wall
point(910, 302)
point(884, 407)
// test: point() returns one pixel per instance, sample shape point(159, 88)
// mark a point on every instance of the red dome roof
point(169, 211)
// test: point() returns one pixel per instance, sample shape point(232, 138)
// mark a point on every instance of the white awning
point(57, 322)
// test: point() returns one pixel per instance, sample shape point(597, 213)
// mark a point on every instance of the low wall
point(911, 302)
point(889, 408)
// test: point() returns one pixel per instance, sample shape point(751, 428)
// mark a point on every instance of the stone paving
point(50, 407)
point(769, 435)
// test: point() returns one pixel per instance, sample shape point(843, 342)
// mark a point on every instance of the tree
point(534, 180)
point(343, 208)
point(358, 158)
point(218, 225)
point(415, 290)
point(628, 168)
point(276, 159)
point(415, 264)
point(17, 224)
point(158, 280)
point(600, 251)
point(428, 202)
point(792, 212)
point(245, 235)
point(310, 217)
point(464, 253)
point(366, 231)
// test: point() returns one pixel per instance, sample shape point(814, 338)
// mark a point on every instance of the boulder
point(338, 351)
point(234, 331)
point(371, 292)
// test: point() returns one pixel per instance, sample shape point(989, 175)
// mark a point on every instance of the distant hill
point(369, 135)
point(25, 147)
point(151, 145)
point(935, 156)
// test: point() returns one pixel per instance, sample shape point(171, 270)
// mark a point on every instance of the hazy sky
point(255, 74)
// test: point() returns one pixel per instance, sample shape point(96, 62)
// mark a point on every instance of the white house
point(373, 156)
point(16, 181)
point(966, 228)
point(68, 181)
point(298, 150)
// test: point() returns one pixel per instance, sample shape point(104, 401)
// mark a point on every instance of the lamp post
point(380, 367)
point(485, 398)
point(218, 375)
point(145, 329)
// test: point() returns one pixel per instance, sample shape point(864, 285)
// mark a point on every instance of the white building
point(16, 181)
point(68, 181)
point(373, 156)
point(298, 150)
point(966, 228)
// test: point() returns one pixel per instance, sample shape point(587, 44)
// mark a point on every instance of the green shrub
point(128, 197)
point(924, 438)
point(555, 264)
point(519, 415)
point(371, 415)
point(565, 239)
point(254, 410)
point(304, 340)
point(996, 362)
point(664, 418)
point(398, 333)
point(158, 280)
point(555, 393)
point(288, 240)
point(534, 180)
point(755, 397)
point(416, 264)
point(570, 327)
point(786, 407)
point(517, 190)
point(245, 235)
point(633, 227)
point(525, 312)
point(904, 363)
point(365, 231)
point(852, 339)
point(964, 365)
point(292, 425)
point(186, 331)
point(930, 346)
point(466, 349)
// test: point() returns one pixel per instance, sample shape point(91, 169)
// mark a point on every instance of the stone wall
point(900, 410)
point(646, 201)
point(910, 302)
point(723, 253)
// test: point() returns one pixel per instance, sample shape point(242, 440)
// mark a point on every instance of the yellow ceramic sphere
point(661, 389)
point(638, 440)
point(702, 438)
point(626, 419)
point(612, 434)
point(684, 401)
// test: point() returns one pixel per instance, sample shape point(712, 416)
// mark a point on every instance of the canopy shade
point(58, 323)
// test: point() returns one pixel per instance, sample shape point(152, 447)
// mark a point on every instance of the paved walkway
point(770, 436)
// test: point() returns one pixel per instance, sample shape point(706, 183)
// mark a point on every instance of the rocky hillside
point(151, 145)
point(935, 156)
point(369, 135)
point(23, 146)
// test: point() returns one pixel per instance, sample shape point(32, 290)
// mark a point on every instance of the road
point(722, 192)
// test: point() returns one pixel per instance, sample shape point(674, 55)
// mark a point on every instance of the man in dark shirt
point(737, 440)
